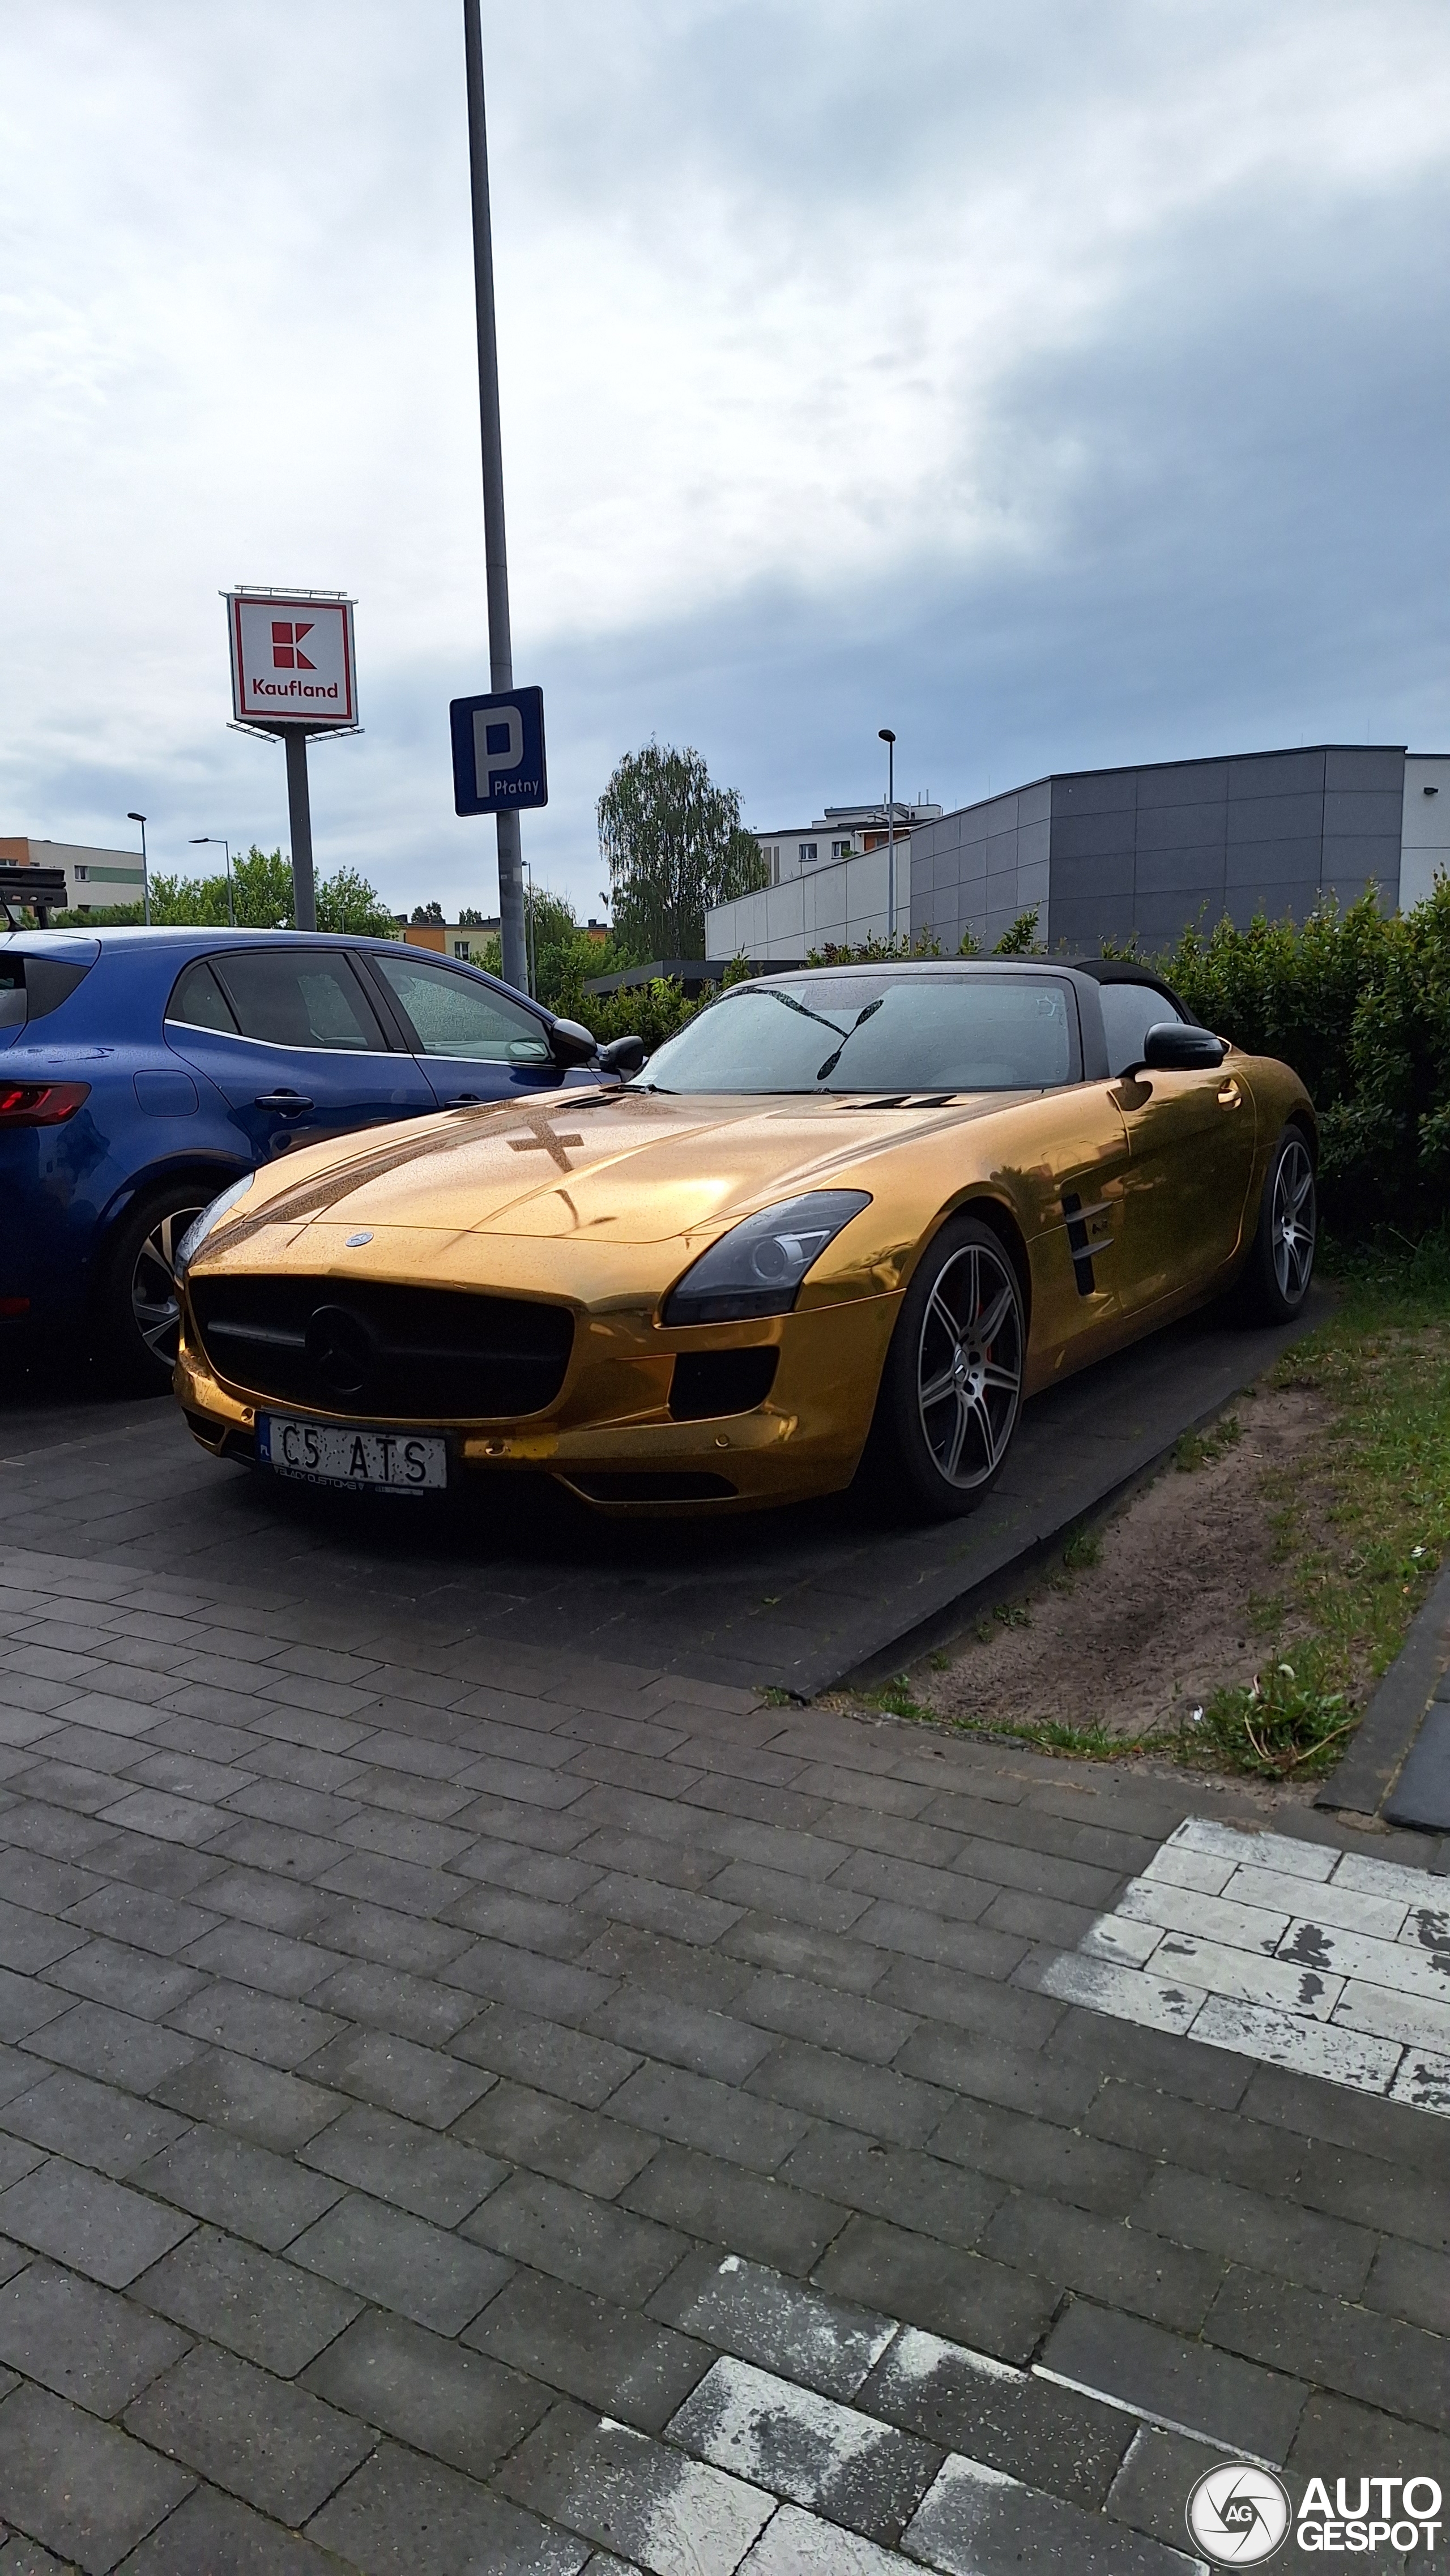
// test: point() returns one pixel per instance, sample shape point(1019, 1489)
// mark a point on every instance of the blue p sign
point(498, 752)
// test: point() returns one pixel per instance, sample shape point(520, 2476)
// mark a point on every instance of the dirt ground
point(1176, 1606)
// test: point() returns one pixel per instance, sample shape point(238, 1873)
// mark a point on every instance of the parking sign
point(498, 752)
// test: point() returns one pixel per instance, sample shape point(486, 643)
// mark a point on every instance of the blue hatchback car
point(141, 1071)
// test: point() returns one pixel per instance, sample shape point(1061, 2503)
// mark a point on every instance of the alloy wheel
point(969, 1365)
point(155, 1301)
point(1292, 1222)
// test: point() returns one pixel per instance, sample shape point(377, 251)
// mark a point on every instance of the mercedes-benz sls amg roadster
point(846, 1222)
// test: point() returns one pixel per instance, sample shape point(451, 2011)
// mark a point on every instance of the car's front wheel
point(1275, 1279)
point(951, 1389)
point(138, 1306)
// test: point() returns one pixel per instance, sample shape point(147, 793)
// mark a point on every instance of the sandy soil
point(1167, 1614)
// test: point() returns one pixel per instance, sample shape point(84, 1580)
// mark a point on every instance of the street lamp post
point(145, 871)
point(531, 943)
point(209, 840)
point(888, 737)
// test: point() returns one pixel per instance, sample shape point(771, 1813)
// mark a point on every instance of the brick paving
point(471, 2106)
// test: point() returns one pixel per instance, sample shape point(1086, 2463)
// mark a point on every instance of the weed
point(1279, 1724)
point(941, 1661)
point(1201, 1448)
point(1084, 1549)
point(1012, 1614)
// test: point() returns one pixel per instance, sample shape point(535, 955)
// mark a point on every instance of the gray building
point(1147, 851)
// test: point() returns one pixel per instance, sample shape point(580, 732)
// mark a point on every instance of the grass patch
point(1361, 1526)
point(1083, 1550)
point(1201, 1448)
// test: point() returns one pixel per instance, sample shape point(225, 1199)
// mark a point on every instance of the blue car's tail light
point(40, 1104)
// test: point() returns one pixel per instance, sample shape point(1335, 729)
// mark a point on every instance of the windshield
point(882, 1033)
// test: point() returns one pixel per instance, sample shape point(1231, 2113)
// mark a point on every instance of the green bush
point(1358, 1002)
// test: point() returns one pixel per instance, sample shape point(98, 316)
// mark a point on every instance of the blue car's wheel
point(139, 1317)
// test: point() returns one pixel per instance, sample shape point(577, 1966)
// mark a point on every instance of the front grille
point(404, 1354)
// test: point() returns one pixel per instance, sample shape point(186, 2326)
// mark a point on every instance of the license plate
point(369, 1462)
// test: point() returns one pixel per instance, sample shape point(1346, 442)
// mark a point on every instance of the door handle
point(289, 1104)
point(1230, 1096)
point(464, 1100)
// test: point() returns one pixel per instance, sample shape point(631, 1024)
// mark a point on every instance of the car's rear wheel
point(1275, 1278)
point(951, 1389)
point(138, 1308)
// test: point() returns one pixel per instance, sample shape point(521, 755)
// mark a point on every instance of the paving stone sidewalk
point(470, 2107)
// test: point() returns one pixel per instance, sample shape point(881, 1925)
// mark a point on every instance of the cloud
point(1060, 385)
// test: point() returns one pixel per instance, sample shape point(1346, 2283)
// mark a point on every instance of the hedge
point(1358, 1002)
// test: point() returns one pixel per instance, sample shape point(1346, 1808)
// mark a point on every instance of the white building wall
point(840, 902)
point(1425, 834)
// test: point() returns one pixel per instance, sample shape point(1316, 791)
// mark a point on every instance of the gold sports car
point(847, 1221)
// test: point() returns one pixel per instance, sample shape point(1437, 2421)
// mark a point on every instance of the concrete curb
point(1361, 1782)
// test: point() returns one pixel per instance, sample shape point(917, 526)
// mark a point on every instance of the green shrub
point(1358, 1002)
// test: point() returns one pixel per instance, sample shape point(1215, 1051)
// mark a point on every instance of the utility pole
point(500, 640)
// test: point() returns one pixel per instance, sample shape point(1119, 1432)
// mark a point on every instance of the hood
point(620, 1166)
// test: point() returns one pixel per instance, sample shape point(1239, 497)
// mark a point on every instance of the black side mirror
point(622, 1055)
point(570, 1043)
point(1171, 1046)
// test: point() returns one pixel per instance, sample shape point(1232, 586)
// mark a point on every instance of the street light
point(209, 840)
point(886, 735)
point(531, 953)
point(145, 871)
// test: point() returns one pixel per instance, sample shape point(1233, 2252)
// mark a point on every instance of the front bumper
point(611, 1437)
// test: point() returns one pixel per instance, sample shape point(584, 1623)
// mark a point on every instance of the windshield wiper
point(767, 993)
point(861, 1017)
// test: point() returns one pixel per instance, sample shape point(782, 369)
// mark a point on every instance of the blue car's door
point(474, 1040)
point(290, 1036)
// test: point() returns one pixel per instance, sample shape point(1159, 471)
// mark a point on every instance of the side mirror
point(569, 1043)
point(1171, 1046)
point(622, 1055)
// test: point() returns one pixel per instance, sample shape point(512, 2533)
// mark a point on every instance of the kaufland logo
point(287, 653)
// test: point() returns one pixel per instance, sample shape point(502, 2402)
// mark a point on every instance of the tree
point(675, 845)
point(468, 919)
point(431, 913)
point(346, 901)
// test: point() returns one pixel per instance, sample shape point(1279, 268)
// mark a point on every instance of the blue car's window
point(452, 1014)
point(12, 992)
point(888, 1032)
point(197, 1000)
point(298, 997)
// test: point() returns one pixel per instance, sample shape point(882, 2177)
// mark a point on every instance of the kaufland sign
point(292, 659)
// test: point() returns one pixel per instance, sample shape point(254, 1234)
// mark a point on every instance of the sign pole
point(500, 641)
point(299, 816)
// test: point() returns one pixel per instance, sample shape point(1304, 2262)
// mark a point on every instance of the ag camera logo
point(1238, 2514)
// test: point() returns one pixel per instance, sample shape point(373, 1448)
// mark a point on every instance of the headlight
point(201, 1226)
point(757, 1268)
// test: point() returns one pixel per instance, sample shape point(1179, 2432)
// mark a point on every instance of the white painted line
point(1379, 1916)
point(1209, 1872)
point(1222, 1971)
point(1427, 1927)
point(1356, 1992)
point(1424, 2082)
point(1329, 1952)
point(793, 2442)
point(1127, 1993)
point(1386, 1878)
point(1211, 1918)
point(1119, 1937)
point(1165, 2423)
point(1253, 1849)
point(1336, 2055)
point(1373, 2008)
point(794, 2543)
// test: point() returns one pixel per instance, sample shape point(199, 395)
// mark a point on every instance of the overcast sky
point(1061, 384)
